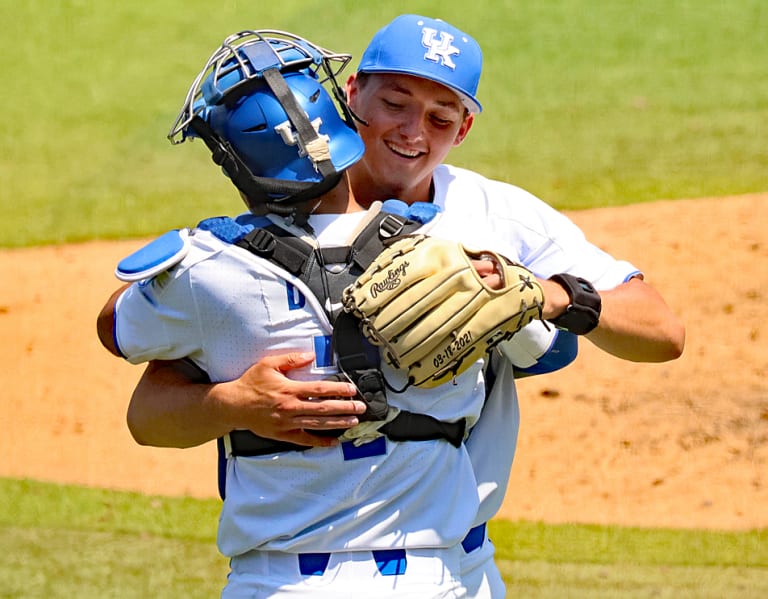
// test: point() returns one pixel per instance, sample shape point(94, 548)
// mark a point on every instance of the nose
point(411, 126)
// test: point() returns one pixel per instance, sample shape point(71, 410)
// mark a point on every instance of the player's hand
point(488, 270)
point(271, 405)
point(555, 297)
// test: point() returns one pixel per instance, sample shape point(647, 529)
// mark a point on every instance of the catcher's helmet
point(259, 130)
point(260, 106)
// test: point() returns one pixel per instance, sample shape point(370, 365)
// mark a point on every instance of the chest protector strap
point(307, 262)
point(358, 360)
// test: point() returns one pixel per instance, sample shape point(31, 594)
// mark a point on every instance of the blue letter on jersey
point(323, 351)
point(296, 299)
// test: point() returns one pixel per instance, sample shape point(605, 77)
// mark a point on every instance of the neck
point(339, 200)
point(368, 192)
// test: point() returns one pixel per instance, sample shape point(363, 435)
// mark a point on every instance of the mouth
point(403, 152)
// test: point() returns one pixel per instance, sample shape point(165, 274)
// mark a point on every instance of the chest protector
point(357, 359)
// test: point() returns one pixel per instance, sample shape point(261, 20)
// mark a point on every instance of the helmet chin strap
point(315, 145)
point(260, 191)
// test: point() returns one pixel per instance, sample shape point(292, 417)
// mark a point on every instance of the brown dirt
point(681, 444)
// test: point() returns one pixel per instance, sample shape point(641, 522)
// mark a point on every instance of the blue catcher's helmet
point(257, 127)
point(260, 106)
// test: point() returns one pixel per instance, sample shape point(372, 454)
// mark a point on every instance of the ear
point(350, 88)
point(466, 125)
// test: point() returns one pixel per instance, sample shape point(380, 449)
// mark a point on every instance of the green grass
point(587, 102)
point(68, 541)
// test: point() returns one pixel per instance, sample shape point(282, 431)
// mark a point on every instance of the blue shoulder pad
point(397, 207)
point(421, 212)
point(232, 230)
point(155, 257)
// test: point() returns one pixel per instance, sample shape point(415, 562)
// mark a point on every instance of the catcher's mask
point(260, 106)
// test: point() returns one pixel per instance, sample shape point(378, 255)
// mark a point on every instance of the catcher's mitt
point(425, 304)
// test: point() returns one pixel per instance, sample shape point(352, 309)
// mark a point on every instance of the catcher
point(234, 290)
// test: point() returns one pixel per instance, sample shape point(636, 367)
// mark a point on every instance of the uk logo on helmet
point(290, 138)
point(439, 50)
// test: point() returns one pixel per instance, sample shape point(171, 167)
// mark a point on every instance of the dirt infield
point(681, 444)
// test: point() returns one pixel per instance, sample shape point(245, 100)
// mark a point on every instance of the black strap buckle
point(261, 242)
point(391, 226)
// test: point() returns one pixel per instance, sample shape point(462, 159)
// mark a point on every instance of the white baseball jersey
point(225, 309)
point(482, 211)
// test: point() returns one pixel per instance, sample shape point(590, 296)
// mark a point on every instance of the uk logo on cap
point(439, 49)
point(452, 58)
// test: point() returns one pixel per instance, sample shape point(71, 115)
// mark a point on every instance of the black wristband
point(583, 313)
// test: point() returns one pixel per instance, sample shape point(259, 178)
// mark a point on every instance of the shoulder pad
point(223, 227)
point(232, 230)
point(155, 257)
point(421, 212)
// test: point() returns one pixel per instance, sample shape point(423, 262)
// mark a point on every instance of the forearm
point(173, 407)
point(636, 324)
point(167, 409)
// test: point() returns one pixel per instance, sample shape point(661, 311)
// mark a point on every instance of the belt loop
point(474, 539)
point(390, 562)
point(313, 564)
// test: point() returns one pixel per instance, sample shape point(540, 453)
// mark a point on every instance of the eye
point(441, 122)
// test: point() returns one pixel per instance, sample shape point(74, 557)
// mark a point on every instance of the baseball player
point(397, 97)
point(400, 92)
point(314, 521)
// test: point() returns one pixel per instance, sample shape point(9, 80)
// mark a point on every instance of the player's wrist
point(582, 312)
point(556, 299)
point(224, 402)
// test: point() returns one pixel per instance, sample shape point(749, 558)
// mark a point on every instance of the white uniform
point(225, 309)
point(546, 242)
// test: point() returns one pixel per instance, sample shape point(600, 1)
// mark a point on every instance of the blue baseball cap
point(428, 48)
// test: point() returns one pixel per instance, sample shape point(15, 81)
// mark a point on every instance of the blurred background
point(587, 102)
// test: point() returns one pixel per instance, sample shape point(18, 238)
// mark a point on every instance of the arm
point(170, 408)
point(635, 322)
point(105, 322)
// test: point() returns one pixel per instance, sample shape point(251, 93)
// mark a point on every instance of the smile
point(404, 152)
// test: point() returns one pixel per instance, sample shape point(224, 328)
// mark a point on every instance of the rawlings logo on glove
point(393, 280)
point(426, 305)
